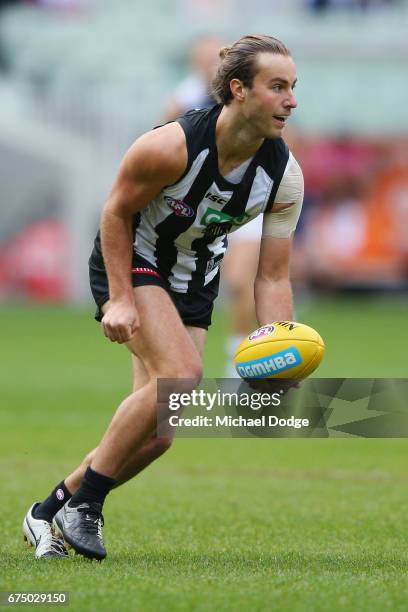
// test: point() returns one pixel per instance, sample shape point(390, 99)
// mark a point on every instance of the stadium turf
point(222, 524)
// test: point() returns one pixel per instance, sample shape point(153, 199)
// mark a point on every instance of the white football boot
point(39, 533)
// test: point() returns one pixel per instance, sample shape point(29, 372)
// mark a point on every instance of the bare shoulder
point(160, 154)
point(156, 159)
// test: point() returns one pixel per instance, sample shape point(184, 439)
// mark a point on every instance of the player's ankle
point(53, 503)
point(94, 488)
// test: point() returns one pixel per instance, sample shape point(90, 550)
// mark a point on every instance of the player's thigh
point(140, 375)
point(161, 341)
point(140, 372)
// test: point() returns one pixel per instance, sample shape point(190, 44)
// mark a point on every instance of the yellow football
point(282, 349)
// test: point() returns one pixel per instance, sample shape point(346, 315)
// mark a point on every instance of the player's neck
point(234, 136)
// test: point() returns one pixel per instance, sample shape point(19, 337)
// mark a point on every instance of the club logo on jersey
point(214, 230)
point(216, 216)
point(218, 223)
point(60, 494)
point(266, 330)
point(180, 208)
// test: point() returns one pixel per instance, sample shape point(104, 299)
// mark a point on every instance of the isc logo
point(272, 364)
point(215, 198)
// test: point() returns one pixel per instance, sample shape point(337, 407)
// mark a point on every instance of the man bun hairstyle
point(224, 51)
point(238, 61)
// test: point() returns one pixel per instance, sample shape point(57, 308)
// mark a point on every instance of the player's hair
point(238, 61)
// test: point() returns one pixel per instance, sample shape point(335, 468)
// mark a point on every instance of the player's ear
point(238, 89)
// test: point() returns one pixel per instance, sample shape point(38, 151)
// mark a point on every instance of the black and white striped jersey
point(183, 231)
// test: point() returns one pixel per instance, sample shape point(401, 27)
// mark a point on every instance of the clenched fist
point(120, 321)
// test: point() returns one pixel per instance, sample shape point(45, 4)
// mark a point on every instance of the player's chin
point(272, 131)
point(276, 131)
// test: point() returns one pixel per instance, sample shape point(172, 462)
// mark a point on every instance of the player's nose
point(291, 101)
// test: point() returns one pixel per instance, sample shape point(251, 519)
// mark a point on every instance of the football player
point(154, 270)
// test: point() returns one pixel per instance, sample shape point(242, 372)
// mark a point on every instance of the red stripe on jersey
point(145, 271)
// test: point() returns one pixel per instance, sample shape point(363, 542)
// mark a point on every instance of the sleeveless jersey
point(183, 231)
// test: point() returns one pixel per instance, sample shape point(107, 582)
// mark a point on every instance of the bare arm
point(156, 159)
point(273, 291)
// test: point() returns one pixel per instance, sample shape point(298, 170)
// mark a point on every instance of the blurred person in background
point(154, 270)
point(4, 59)
point(239, 272)
point(195, 90)
point(351, 241)
point(324, 5)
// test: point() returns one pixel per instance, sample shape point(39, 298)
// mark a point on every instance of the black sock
point(94, 488)
point(54, 502)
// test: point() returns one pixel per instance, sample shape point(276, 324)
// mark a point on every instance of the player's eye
point(277, 87)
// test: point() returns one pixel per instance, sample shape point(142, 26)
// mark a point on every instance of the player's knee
point(189, 370)
point(193, 371)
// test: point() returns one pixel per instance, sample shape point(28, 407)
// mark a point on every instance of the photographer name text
point(238, 421)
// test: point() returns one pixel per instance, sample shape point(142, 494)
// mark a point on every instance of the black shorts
point(194, 308)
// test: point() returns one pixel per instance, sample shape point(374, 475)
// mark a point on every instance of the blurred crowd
point(352, 233)
point(324, 5)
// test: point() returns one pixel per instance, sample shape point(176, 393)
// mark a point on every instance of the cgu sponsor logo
point(270, 365)
point(180, 208)
point(216, 216)
point(215, 230)
point(266, 330)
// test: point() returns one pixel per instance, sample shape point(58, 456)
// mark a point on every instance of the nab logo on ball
point(266, 330)
point(272, 364)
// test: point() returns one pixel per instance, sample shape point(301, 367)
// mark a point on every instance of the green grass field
point(225, 524)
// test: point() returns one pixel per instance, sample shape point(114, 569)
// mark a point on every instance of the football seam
point(310, 364)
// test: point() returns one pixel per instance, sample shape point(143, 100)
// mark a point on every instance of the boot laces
point(92, 520)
